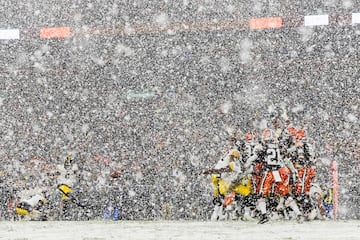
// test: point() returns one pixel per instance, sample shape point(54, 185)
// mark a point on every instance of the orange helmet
point(268, 135)
point(250, 136)
point(292, 131)
point(300, 134)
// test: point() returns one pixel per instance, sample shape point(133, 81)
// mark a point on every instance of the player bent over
point(31, 208)
point(227, 185)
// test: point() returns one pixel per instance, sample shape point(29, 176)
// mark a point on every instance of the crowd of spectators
point(89, 12)
point(151, 105)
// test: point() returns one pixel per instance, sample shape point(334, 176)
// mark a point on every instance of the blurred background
point(155, 89)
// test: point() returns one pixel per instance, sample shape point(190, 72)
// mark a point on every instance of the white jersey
point(34, 200)
point(234, 166)
point(223, 162)
point(67, 176)
point(29, 192)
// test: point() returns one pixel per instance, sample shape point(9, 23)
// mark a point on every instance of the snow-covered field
point(159, 230)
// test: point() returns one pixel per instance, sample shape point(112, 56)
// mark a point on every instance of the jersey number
point(272, 156)
point(250, 150)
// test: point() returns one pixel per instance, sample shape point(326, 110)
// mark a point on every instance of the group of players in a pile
point(267, 177)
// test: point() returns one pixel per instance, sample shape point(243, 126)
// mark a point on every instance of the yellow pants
point(22, 211)
point(221, 187)
point(65, 189)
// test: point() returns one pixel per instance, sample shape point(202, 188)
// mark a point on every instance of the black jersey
point(271, 157)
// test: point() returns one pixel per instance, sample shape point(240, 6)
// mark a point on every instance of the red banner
point(56, 32)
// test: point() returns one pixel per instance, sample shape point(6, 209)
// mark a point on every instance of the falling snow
point(151, 91)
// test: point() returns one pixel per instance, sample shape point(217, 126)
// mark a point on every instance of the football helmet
point(68, 162)
point(269, 136)
point(250, 136)
point(300, 134)
point(291, 131)
point(235, 153)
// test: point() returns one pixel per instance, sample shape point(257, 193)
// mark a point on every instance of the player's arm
point(216, 171)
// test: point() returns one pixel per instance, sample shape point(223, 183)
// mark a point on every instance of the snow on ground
point(175, 230)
